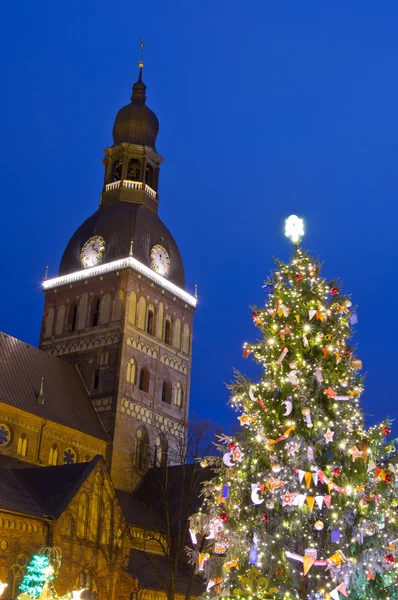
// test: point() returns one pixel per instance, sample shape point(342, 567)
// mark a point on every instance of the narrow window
point(53, 455)
point(82, 516)
point(94, 312)
point(144, 380)
point(96, 379)
point(141, 451)
point(22, 447)
point(131, 371)
point(149, 176)
point(72, 317)
point(133, 170)
point(167, 333)
point(150, 323)
point(117, 170)
point(178, 395)
point(166, 392)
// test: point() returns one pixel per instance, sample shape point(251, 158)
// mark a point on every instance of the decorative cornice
point(117, 265)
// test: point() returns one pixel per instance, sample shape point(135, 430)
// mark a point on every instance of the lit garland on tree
point(38, 572)
point(302, 505)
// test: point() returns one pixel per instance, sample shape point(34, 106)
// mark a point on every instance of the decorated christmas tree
point(302, 503)
point(39, 573)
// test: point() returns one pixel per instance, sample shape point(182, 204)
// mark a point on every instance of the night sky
point(266, 108)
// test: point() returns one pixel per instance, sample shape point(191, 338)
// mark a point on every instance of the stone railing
point(131, 185)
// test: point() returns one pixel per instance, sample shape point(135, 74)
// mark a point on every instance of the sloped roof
point(42, 492)
point(66, 400)
point(152, 571)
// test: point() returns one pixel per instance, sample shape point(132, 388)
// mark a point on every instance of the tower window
point(178, 395)
point(72, 317)
point(53, 455)
point(134, 170)
point(131, 371)
point(167, 332)
point(166, 392)
point(117, 170)
point(149, 176)
point(141, 448)
point(150, 322)
point(22, 447)
point(144, 380)
point(96, 379)
point(94, 312)
point(160, 457)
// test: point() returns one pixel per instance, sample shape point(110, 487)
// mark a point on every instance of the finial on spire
point(294, 228)
point(141, 63)
point(46, 273)
point(131, 248)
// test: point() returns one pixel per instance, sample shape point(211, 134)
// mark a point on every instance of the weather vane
point(141, 63)
point(294, 228)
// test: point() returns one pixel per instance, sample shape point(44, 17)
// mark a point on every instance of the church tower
point(119, 310)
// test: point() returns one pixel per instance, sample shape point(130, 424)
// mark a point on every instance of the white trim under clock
point(117, 265)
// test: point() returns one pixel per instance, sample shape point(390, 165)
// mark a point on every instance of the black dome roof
point(136, 123)
point(118, 224)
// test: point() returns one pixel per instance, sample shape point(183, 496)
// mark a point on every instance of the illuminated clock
point(92, 251)
point(160, 260)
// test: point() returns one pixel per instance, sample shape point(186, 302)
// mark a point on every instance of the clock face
point(92, 251)
point(160, 260)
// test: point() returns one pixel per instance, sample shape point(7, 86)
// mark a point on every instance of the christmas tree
point(302, 503)
point(38, 572)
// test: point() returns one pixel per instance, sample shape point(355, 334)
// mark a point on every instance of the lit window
point(22, 447)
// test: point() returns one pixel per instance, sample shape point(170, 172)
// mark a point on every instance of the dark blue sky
point(265, 108)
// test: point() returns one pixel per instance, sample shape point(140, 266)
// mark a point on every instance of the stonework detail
point(102, 404)
point(142, 347)
point(174, 364)
point(169, 425)
point(136, 411)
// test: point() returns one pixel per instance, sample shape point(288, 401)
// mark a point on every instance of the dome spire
point(139, 88)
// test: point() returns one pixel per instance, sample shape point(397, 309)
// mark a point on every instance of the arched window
point(177, 334)
point(178, 395)
point(82, 515)
point(96, 379)
point(72, 317)
point(160, 451)
point(87, 582)
point(15, 576)
point(82, 311)
point(149, 175)
point(105, 313)
point(144, 380)
point(132, 308)
point(59, 322)
point(142, 313)
point(22, 446)
point(70, 456)
point(141, 448)
point(159, 326)
point(96, 506)
point(117, 170)
point(106, 524)
point(166, 391)
point(48, 323)
point(94, 312)
point(167, 331)
point(118, 538)
point(131, 372)
point(134, 170)
point(150, 321)
point(118, 306)
point(103, 357)
point(53, 455)
point(186, 339)
point(67, 525)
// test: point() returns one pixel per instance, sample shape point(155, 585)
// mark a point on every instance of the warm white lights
point(117, 265)
point(294, 228)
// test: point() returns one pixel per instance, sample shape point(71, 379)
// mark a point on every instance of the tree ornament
point(298, 277)
point(370, 529)
point(224, 517)
point(319, 525)
point(232, 445)
point(385, 430)
point(294, 228)
point(276, 468)
point(336, 472)
point(264, 517)
point(306, 412)
point(329, 436)
point(204, 463)
point(270, 504)
point(389, 559)
point(388, 478)
point(334, 291)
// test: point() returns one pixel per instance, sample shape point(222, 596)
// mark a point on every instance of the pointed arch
point(177, 334)
point(48, 323)
point(167, 391)
point(96, 506)
point(178, 395)
point(186, 339)
point(53, 455)
point(118, 306)
point(161, 449)
point(141, 448)
point(132, 308)
point(82, 312)
point(159, 322)
point(144, 380)
point(131, 372)
point(67, 525)
point(105, 313)
point(71, 323)
point(82, 516)
point(168, 335)
point(106, 524)
point(141, 313)
point(22, 446)
point(150, 320)
point(94, 315)
point(103, 358)
point(59, 322)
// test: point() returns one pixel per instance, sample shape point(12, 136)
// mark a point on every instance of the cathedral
point(90, 414)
